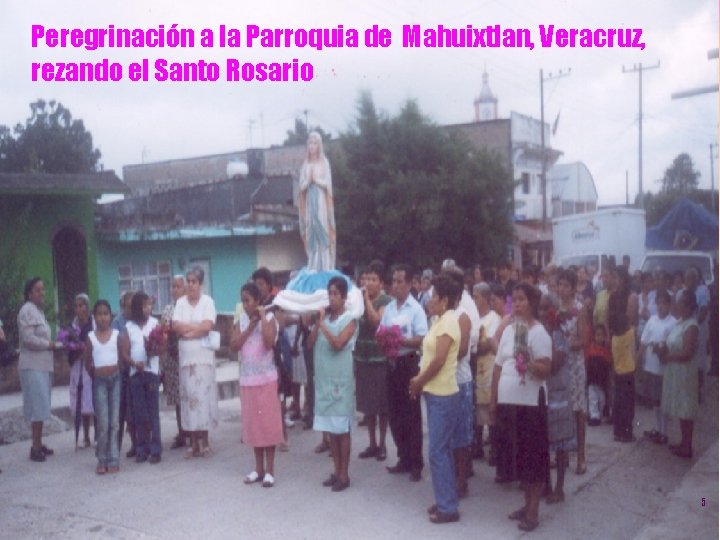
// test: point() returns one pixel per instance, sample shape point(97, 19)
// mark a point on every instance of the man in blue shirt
point(405, 416)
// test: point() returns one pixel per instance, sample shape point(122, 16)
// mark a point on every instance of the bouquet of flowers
point(155, 341)
point(172, 341)
point(520, 349)
point(389, 339)
point(70, 339)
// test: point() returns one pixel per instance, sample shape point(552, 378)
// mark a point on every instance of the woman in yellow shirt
point(437, 382)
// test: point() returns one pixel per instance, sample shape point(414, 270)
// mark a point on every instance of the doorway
point(70, 266)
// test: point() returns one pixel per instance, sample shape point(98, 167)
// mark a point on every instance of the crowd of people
point(535, 356)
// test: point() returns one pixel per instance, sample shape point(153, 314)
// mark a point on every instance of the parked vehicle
point(591, 238)
point(679, 261)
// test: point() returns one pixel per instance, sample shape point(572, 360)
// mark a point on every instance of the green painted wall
point(232, 261)
point(46, 215)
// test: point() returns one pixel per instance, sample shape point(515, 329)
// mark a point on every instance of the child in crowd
point(144, 378)
point(101, 361)
point(255, 336)
point(654, 335)
point(597, 361)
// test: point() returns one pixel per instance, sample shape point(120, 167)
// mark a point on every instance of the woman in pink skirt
point(254, 337)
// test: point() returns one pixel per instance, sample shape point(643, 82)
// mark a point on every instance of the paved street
point(630, 491)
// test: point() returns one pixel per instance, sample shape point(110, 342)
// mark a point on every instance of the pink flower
point(154, 342)
point(389, 339)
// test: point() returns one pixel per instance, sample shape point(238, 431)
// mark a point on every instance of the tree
point(681, 176)
point(300, 134)
point(50, 141)
point(405, 190)
point(680, 181)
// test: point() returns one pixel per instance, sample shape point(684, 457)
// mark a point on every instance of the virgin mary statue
point(316, 208)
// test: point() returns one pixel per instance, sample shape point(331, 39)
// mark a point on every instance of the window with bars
point(152, 277)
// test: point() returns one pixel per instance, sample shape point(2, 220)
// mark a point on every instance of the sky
point(132, 122)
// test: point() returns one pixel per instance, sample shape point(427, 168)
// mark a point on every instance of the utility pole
point(250, 128)
point(627, 189)
point(543, 180)
point(712, 176)
point(307, 127)
point(638, 68)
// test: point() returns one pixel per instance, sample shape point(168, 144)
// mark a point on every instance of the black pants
point(506, 441)
point(310, 387)
point(405, 416)
point(624, 405)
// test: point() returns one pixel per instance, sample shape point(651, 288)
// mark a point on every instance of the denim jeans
point(145, 398)
point(106, 399)
point(442, 417)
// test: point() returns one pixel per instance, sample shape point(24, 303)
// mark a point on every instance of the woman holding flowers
point(35, 365)
point(521, 366)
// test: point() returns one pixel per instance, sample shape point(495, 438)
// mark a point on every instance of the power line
point(638, 68)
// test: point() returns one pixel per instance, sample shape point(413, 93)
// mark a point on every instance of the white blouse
point(511, 389)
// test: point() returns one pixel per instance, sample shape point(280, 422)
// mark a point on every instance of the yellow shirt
point(444, 382)
point(623, 352)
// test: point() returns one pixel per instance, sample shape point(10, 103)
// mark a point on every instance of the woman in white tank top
point(101, 361)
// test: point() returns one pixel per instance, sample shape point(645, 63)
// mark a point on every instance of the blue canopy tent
point(687, 225)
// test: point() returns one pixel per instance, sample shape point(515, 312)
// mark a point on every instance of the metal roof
point(36, 183)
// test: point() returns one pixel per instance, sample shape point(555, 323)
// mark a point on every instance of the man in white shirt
point(405, 416)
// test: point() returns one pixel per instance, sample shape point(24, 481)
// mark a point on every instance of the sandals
point(178, 442)
point(191, 453)
point(268, 480)
point(553, 498)
point(101, 469)
point(528, 525)
point(252, 478)
point(113, 470)
point(206, 451)
point(330, 482)
point(322, 447)
point(517, 515)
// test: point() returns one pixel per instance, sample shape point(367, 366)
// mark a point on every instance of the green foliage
point(12, 274)
point(50, 141)
point(300, 134)
point(681, 176)
point(405, 190)
point(657, 205)
point(680, 181)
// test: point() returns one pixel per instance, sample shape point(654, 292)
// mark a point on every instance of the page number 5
point(702, 501)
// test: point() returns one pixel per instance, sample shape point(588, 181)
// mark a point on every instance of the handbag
point(212, 340)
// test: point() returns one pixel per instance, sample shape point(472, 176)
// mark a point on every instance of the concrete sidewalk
point(633, 490)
